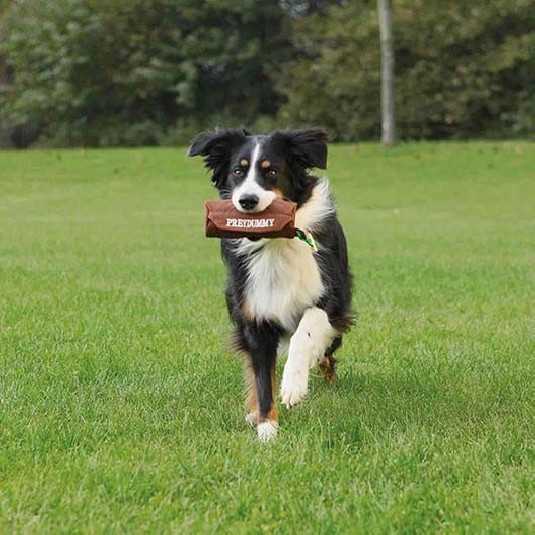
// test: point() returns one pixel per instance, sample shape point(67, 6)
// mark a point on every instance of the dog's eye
point(238, 171)
point(272, 172)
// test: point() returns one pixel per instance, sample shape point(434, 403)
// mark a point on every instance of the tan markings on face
point(278, 193)
point(265, 164)
point(244, 162)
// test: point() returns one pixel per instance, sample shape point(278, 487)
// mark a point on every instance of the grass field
point(121, 407)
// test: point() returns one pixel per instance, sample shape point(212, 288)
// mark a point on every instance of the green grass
point(121, 406)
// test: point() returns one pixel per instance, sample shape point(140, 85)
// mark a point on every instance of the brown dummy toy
point(276, 221)
point(224, 221)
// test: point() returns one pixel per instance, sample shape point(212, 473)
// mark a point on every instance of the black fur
point(293, 154)
point(216, 147)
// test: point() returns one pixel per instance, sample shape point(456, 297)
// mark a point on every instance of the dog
point(281, 294)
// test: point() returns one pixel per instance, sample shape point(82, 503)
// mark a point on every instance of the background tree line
point(138, 72)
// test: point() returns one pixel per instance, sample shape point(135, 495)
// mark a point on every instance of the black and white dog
point(281, 293)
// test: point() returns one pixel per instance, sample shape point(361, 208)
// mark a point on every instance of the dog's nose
point(248, 202)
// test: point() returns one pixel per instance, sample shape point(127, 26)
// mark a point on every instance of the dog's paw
point(267, 430)
point(294, 386)
point(251, 418)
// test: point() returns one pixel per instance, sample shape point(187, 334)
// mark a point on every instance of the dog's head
point(253, 170)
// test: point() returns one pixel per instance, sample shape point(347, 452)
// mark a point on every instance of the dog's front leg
point(262, 341)
point(313, 336)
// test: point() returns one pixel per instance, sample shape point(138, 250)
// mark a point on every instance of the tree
point(463, 69)
point(388, 117)
point(130, 72)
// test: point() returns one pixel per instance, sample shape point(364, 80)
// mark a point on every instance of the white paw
point(267, 430)
point(294, 385)
point(251, 419)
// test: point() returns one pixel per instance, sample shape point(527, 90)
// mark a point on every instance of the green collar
point(307, 238)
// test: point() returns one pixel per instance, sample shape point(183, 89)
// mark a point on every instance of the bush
point(463, 69)
point(138, 72)
point(92, 72)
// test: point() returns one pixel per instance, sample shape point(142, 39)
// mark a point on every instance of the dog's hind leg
point(327, 364)
point(308, 345)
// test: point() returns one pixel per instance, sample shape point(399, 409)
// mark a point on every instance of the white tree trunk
point(388, 121)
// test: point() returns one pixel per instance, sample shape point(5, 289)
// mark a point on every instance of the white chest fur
point(284, 280)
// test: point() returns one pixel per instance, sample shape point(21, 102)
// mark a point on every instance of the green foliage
point(463, 69)
point(334, 80)
point(134, 72)
point(5, 140)
point(95, 72)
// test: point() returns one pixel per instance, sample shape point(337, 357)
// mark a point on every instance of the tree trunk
point(388, 121)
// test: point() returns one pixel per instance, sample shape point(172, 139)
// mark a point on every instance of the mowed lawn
point(121, 405)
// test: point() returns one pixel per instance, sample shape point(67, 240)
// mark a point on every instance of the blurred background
point(155, 72)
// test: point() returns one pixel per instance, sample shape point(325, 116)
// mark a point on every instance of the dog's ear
point(216, 148)
point(307, 147)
